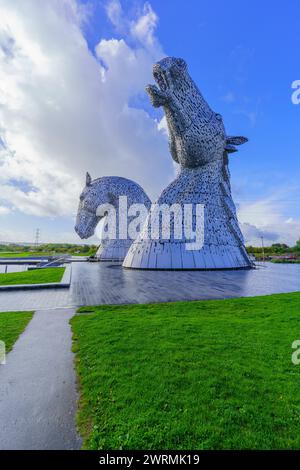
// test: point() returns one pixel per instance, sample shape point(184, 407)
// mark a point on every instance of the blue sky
point(242, 55)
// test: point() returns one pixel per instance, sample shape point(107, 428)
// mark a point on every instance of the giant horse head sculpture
point(103, 191)
point(196, 133)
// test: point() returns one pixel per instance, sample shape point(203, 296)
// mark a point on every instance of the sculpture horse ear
point(88, 179)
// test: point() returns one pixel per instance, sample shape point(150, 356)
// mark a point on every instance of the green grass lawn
point(12, 324)
point(285, 261)
point(38, 254)
point(24, 254)
point(190, 375)
point(36, 276)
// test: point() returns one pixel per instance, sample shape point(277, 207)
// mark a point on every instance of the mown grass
point(25, 254)
point(35, 276)
point(12, 324)
point(190, 375)
point(39, 254)
point(285, 261)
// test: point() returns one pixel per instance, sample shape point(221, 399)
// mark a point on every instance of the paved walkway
point(38, 396)
point(107, 283)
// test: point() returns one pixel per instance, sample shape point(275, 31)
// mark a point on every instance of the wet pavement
point(109, 283)
point(38, 398)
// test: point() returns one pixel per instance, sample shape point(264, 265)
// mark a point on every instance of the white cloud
point(144, 27)
point(263, 212)
point(115, 13)
point(163, 126)
point(253, 235)
point(4, 210)
point(266, 217)
point(64, 110)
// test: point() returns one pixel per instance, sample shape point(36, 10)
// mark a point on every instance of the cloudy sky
point(72, 79)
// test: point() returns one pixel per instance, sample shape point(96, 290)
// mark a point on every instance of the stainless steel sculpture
point(103, 191)
point(199, 144)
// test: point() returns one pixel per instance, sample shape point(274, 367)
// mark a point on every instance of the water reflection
point(13, 268)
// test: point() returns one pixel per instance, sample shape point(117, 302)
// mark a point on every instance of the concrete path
point(38, 395)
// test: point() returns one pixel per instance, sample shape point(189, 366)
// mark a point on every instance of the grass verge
point(12, 324)
point(38, 254)
point(35, 276)
point(25, 254)
point(189, 375)
point(285, 261)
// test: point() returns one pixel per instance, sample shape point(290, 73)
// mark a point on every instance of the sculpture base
point(174, 256)
point(115, 250)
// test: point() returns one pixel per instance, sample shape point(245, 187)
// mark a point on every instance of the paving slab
point(38, 397)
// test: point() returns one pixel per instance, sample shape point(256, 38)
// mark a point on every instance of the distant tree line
point(88, 250)
point(275, 249)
